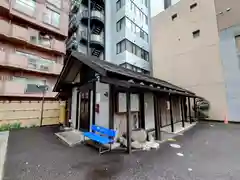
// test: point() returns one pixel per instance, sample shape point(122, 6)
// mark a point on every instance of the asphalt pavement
point(206, 152)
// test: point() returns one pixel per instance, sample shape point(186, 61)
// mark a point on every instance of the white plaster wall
point(149, 111)
point(74, 107)
point(102, 118)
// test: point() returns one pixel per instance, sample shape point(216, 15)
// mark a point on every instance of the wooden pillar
point(195, 108)
point(94, 103)
point(182, 112)
point(156, 118)
point(171, 115)
point(77, 109)
point(189, 110)
point(111, 106)
point(142, 111)
point(129, 128)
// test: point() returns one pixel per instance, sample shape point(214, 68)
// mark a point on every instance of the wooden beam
point(182, 111)
point(189, 110)
point(129, 128)
point(171, 115)
point(77, 110)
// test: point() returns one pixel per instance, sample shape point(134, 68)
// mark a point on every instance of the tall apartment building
point(196, 44)
point(32, 47)
point(118, 31)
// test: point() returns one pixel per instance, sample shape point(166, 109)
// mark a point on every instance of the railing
point(23, 34)
point(28, 63)
point(13, 88)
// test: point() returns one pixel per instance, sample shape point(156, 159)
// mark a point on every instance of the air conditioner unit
point(44, 68)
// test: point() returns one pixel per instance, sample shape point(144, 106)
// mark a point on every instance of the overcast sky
point(157, 6)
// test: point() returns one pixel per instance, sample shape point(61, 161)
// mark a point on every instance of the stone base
point(71, 138)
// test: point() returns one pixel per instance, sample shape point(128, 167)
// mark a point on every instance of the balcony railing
point(13, 88)
point(14, 60)
point(22, 35)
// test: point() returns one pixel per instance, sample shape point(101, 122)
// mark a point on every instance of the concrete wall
point(193, 63)
point(231, 64)
point(228, 13)
point(28, 112)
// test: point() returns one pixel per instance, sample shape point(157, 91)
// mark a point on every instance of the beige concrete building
point(32, 49)
point(196, 45)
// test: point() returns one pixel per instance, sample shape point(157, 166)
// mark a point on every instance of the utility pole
point(43, 89)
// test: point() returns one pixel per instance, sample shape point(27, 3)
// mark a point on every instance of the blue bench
point(101, 136)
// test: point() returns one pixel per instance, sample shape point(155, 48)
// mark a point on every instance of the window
point(26, 6)
point(120, 24)
point(145, 36)
point(146, 19)
point(237, 40)
point(239, 61)
point(139, 14)
point(37, 63)
point(196, 33)
point(134, 68)
point(128, 23)
point(41, 39)
point(51, 17)
point(174, 17)
point(120, 4)
point(142, 34)
point(57, 3)
point(133, 27)
point(146, 3)
point(193, 6)
point(132, 48)
point(121, 46)
point(30, 84)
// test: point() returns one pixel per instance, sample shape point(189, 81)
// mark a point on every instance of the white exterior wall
point(74, 107)
point(102, 118)
point(149, 111)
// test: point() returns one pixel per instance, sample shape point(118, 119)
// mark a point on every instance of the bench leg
point(107, 150)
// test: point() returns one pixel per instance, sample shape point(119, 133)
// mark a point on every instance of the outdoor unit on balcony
point(44, 68)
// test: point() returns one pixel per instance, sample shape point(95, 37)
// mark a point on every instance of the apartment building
point(32, 49)
point(196, 45)
point(115, 31)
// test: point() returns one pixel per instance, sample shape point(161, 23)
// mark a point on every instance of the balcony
point(5, 27)
point(21, 35)
point(97, 41)
point(12, 88)
point(58, 46)
point(5, 4)
point(18, 61)
point(33, 12)
point(97, 18)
